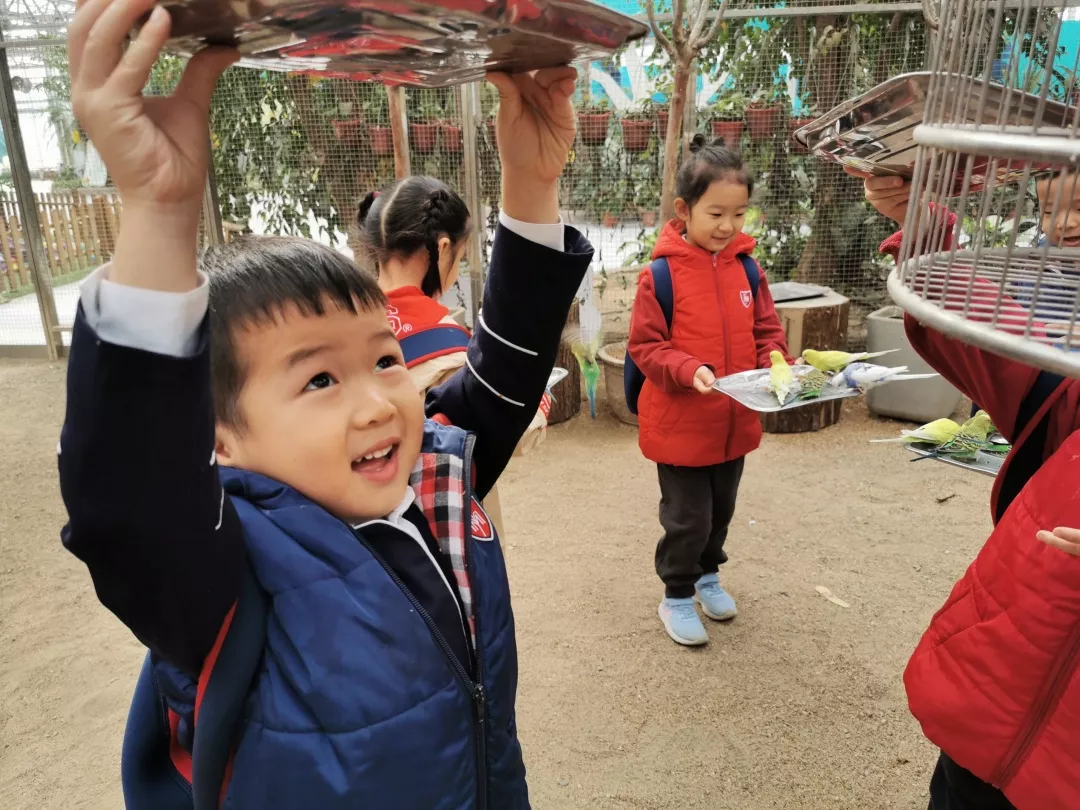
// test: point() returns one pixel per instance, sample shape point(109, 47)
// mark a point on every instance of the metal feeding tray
point(874, 133)
point(983, 464)
point(751, 388)
point(557, 376)
point(434, 43)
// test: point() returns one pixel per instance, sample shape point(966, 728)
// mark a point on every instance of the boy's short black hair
point(252, 279)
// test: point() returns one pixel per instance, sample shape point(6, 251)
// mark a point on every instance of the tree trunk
point(399, 127)
point(672, 139)
point(567, 394)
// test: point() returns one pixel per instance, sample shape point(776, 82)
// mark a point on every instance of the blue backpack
point(633, 379)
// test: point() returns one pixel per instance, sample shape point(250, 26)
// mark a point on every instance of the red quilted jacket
point(995, 680)
point(716, 322)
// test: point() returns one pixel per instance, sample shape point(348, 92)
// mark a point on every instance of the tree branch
point(661, 37)
point(710, 35)
point(678, 13)
point(700, 14)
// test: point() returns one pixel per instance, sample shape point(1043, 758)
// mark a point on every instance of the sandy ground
point(796, 704)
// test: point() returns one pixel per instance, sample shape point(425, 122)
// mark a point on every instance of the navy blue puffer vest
point(357, 704)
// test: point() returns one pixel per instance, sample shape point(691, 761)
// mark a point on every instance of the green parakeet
point(832, 362)
point(781, 379)
point(969, 440)
point(936, 433)
point(811, 383)
point(590, 368)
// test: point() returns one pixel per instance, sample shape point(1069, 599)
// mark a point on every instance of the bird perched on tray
point(831, 362)
point(934, 433)
point(968, 441)
point(865, 376)
point(781, 379)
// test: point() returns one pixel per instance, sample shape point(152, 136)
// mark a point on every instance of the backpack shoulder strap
point(665, 293)
point(1027, 457)
point(226, 693)
point(753, 272)
point(435, 341)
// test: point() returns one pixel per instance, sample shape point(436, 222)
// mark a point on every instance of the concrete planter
point(613, 358)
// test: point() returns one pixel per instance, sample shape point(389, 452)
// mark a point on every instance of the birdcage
point(991, 244)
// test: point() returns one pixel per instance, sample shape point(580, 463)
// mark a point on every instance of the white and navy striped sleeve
point(529, 290)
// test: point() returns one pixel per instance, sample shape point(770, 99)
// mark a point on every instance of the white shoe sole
point(686, 642)
point(725, 617)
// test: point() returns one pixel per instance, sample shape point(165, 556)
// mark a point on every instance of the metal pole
point(212, 207)
point(470, 116)
point(24, 194)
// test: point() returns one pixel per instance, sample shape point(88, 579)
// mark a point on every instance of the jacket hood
point(671, 245)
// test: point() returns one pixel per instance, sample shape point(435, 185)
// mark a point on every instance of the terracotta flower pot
point(635, 135)
point(762, 122)
point(730, 131)
point(593, 127)
point(424, 137)
point(347, 130)
point(609, 220)
point(451, 138)
point(662, 122)
point(794, 125)
point(382, 140)
point(648, 217)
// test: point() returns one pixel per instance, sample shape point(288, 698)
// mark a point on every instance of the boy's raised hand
point(156, 148)
point(889, 195)
point(535, 130)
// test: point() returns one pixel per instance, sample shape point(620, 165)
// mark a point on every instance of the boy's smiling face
point(1059, 209)
point(328, 408)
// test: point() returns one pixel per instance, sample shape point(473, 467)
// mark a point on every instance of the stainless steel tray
point(874, 132)
point(983, 464)
point(557, 376)
point(434, 43)
point(751, 388)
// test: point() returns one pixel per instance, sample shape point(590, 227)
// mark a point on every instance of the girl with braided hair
point(414, 234)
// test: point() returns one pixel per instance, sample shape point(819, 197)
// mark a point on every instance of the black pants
point(953, 788)
point(696, 505)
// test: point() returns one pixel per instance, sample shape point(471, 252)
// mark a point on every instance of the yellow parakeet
point(832, 362)
point(969, 440)
point(936, 433)
point(781, 379)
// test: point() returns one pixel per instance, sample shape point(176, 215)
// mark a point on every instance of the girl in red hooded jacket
point(698, 437)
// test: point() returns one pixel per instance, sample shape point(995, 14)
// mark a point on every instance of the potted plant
point(647, 199)
point(637, 127)
point(377, 111)
point(763, 115)
point(424, 132)
point(593, 124)
point(348, 129)
point(727, 120)
point(807, 115)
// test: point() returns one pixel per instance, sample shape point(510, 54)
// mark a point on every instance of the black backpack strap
point(226, 693)
point(1027, 457)
point(665, 291)
point(753, 273)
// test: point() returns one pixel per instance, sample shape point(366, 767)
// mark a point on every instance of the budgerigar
point(811, 383)
point(936, 433)
point(832, 362)
point(865, 376)
point(969, 440)
point(781, 379)
point(590, 368)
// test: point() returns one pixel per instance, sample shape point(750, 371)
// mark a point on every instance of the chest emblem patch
point(746, 298)
point(481, 524)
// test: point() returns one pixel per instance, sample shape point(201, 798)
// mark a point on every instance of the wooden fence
point(78, 229)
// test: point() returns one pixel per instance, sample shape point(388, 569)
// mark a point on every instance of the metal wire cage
point(991, 245)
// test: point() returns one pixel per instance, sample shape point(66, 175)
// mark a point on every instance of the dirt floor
point(796, 704)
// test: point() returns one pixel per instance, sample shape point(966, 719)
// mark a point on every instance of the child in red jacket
point(697, 436)
point(995, 680)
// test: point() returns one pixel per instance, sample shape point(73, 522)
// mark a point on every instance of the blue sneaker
point(681, 622)
point(716, 603)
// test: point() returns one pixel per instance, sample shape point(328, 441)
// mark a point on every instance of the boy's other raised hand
point(889, 195)
point(535, 129)
point(156, 148)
